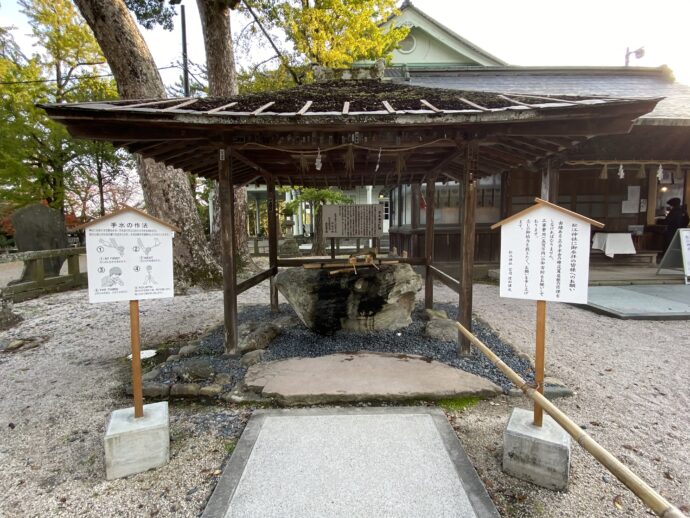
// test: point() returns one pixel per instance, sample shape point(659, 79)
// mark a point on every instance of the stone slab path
point(642, 302)
point(353, 462)
point(363, 377)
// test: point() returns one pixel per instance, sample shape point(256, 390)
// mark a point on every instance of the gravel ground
point(630, 378)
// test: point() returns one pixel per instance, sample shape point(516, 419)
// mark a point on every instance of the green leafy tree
point(38, 158)
point(316, 198)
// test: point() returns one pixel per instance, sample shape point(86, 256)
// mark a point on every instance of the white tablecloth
point(612, 244)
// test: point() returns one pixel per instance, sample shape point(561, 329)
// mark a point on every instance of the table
point(613, 243)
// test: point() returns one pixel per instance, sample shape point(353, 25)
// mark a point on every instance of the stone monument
point(37, 227)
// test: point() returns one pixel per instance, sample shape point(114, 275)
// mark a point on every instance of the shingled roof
point(369, 132)
point(627, 82)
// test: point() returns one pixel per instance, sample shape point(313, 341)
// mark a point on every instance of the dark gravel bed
point(298, 341)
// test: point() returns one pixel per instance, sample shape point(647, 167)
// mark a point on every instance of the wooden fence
point(39, 283)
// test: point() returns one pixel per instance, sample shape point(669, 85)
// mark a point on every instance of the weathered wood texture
point(429, 242)
point(227, 207)
point(467, 254)
point(272, 239)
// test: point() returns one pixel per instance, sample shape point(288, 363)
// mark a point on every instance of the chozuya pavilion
point(365, 132)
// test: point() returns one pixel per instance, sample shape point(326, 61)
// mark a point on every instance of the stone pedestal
point(136, 445)
point(540, 455)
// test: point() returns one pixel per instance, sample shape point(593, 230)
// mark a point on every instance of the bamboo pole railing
point(639, 487)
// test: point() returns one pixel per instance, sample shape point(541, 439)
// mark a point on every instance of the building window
point(407, 45)
point(386, 209)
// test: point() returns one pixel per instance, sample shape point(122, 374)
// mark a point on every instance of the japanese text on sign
point(129, 257)
point(352, 220)
point(545, 256)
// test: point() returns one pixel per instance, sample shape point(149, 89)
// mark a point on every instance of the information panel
point(352, 220)
point(545, 256)
point(129, 257)
point(684, 234)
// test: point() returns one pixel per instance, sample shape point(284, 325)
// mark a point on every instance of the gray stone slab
point(363, 376)
point(349, 462)
point(652, 302)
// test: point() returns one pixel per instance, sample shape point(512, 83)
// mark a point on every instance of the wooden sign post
point(545, 257)
point(129, 257)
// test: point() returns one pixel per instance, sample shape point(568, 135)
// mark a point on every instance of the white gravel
point(631, 381)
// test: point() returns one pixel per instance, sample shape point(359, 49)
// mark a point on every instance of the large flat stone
point(349, 462)
point(363, 377)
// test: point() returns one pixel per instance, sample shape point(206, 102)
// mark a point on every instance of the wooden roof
point(367, 132)
point(538, 202)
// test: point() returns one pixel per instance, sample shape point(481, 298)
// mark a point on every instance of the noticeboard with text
point(129, 257)
point(352, 220)
point(545, 256)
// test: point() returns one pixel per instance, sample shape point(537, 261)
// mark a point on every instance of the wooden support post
point(651, 195)
point(73, 265)
point(136, 358)
point(272, 238)
point(539, 359)
point(227, 213)
point(467, 251)
point(429, 241)
point(257, 218)
point(686, 189)
point(415, 202)
point(506, 195)
point(332, 248)
point(549, 182)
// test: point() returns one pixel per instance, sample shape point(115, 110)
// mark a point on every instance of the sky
point(527, 32)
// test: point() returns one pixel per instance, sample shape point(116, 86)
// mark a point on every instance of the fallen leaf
point(595, 423)
point(608, 370)
point(618, 502)
point(11, 426)
point(668, 475)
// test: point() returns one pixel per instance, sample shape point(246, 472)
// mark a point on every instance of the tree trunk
point(318, 246)
point(166, 190)
point(222, 82)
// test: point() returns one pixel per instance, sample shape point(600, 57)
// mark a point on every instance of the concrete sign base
point(137, 445)
point(540, 455)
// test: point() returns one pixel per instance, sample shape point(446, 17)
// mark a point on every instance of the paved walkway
point(354, 462)
point(643, 302)
point(362, 376)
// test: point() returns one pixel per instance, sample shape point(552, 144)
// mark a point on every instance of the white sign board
point(352, 220)
point(129, 257)
point(684, 234)
point(545, 256)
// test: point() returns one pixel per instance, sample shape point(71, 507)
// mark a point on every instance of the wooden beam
point(181, 105)
point(430, 106)
point(221, 108)
point(446, 279)
point(429, 242)
point(415, 204)
point(549, 182)
point(262, 108)
point(149, 103)
point(256, 279)
point(474, 105)
point(272, 239)
point(652, 183)
point(346, 107)
point(467, 252)
point(388, 106)
point(305, 108)
point(227, 220)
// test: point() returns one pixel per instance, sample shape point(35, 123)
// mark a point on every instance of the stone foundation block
point(540, 455)
point(137, 445)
